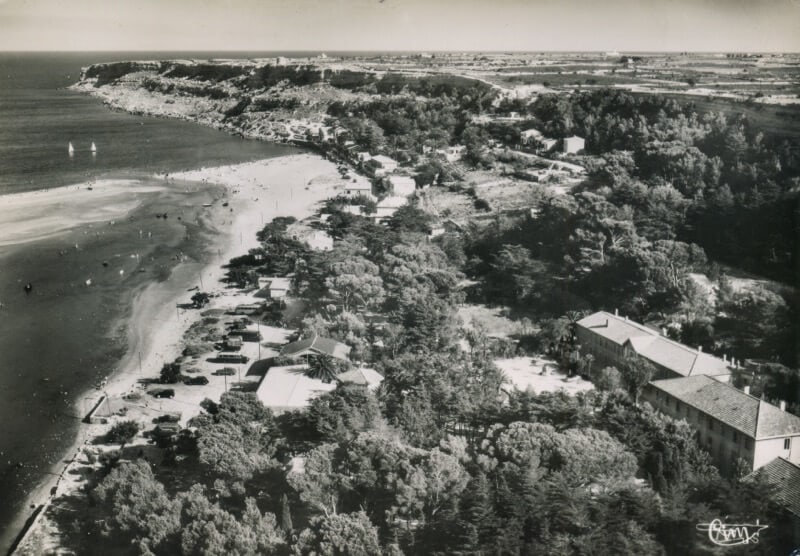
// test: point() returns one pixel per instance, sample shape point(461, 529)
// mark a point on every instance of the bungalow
point(387, 207)
point(358, 187)
point(362, 377)
point(273, 287)
point(530, 136)
point(402, 186)
point(319, 240)
point(385, 164)
point(573, 144)
point(548, 144)
point(289, 388)
point(454, 153)
point(316, 346)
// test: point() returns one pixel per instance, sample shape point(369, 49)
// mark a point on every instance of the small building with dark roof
point(732, 425)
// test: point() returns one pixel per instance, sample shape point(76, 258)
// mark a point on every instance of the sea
point(58, 340)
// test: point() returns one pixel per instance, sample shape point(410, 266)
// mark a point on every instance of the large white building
point(732, 425)
point(611, 338)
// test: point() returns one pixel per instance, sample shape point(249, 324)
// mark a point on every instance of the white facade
point(573, 144)
point(402, 186)
point(388, 165)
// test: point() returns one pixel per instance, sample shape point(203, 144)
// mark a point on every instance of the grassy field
point(778, 121)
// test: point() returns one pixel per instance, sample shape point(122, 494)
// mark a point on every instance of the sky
point(415, 25)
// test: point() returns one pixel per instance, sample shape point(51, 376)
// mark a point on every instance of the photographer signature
point(731, 534)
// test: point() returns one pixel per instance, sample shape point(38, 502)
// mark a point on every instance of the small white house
point(548, 144)
point(387, 207)
point(358, 187)
point(402, 186)
point(454, 153)
point(387, 165)
point(277, 288)
point(530, 136)
point(573, 144)
point(320, 240)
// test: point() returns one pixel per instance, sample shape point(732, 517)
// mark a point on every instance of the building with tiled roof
point(785, 477)
point(289, 388)
point(611, 338)
point(362, 377)
point(731, 424)
point(316, 346)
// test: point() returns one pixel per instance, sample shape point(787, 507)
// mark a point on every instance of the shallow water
point(60, 339)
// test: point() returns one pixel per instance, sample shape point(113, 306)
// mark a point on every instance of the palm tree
point(324, 368)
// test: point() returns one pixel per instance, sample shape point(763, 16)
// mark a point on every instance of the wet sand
point(256, 193)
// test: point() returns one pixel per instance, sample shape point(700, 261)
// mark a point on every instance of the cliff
point(266, 99)
point(272, 99)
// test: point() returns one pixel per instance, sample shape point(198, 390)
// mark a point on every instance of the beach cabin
point(316, 346)
point(289, 388)
point(402, 186)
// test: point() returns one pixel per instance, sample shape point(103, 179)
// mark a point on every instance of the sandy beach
point(34, 215)
point(256, 193)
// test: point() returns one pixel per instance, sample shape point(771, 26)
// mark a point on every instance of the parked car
point(168, 418)
point(163, 393)
point(231, 358)
point(196, 381)
point(225, 371)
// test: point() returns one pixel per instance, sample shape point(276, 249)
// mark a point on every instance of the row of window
point(712, 424)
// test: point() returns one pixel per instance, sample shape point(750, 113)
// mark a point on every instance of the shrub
point(122, 433)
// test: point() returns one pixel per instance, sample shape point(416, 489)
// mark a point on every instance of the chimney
point(699, 349)
point(626, 318)
point(616, 312)
point(782, 405)
point(746, 389)
point(725, 357)
point(663, 331)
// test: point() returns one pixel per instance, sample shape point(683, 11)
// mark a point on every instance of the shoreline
point(257, 194)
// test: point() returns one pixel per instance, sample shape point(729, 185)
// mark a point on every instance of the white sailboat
point(70, 148)
point(94, 148)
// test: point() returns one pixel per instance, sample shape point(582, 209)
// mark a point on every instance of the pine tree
point(286, 515)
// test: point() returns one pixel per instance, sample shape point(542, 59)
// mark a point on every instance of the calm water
point(56, 342)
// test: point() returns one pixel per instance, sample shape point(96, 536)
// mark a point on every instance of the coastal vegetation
point(442, 458)
point(445, 457)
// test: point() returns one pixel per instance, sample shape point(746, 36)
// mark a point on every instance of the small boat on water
point(94, 148)
point(70, 148)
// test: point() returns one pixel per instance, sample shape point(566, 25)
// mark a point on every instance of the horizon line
point(404, 51)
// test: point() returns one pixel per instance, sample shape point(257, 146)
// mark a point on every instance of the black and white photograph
point(400, 277)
